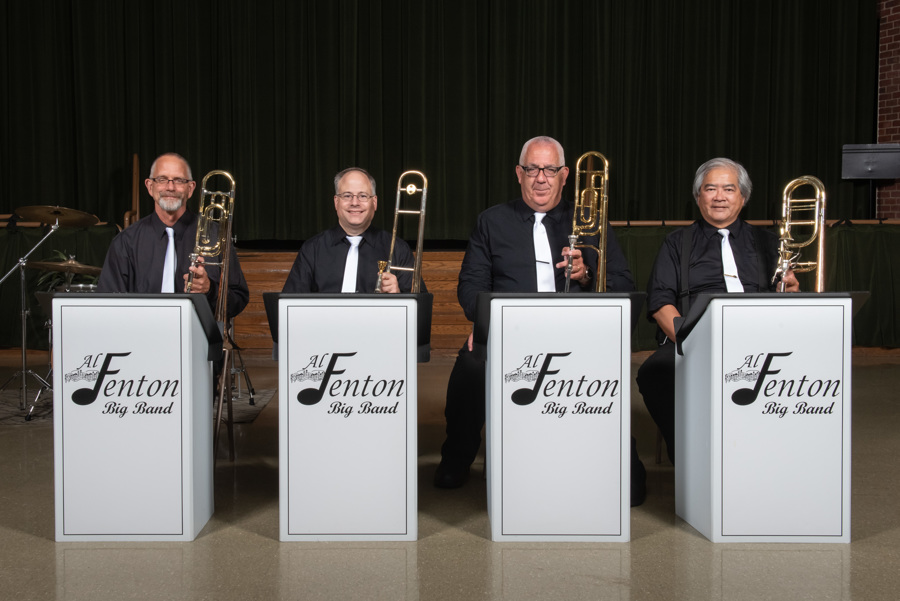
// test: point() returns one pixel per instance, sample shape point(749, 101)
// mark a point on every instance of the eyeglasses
point(178, 181)
point(533, 170)
point(348, 197)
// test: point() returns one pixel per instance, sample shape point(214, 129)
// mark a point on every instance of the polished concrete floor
point(238, 555)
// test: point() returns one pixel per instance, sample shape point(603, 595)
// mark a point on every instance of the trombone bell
point(802, 224)
point(590, 215)
point(417, 182)
point(213, 240)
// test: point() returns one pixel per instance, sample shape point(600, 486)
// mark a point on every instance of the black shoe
point(450, 476)
point(638, 481)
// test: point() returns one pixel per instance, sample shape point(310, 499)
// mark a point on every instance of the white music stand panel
point(558, 418)
point(132, 405)
point(347, 419)
point(763, 404)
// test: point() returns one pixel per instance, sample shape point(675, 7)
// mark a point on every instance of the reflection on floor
point(238, 555)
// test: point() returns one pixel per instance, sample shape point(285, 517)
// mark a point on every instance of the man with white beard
point(153, 255)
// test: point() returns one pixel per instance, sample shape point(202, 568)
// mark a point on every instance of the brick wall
point(889, 98)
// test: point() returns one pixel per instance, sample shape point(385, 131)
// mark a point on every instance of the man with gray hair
point(154, 254)
point(503, 256)
point(345, 257)
point(720, 252)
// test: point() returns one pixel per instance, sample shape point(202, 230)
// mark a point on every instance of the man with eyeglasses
point(345, 257)
point(520, 246)
point(153, 255)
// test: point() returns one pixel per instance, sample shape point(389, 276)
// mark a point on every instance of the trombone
point(215, 216)
point(589, 217)
point(214, 235)
point(416, 182)
point(804, 213)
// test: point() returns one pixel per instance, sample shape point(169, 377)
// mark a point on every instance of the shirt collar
point(734, 230)
point(180, 226)
point(526, 213)
point(337, 235)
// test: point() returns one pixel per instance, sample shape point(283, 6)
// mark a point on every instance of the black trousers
point(656, 381)
point(464, 410)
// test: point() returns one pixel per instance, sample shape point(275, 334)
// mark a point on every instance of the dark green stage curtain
point(864, 258)
point(285, 93)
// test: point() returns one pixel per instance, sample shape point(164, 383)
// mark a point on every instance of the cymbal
point(70, 266)
point(61, 215)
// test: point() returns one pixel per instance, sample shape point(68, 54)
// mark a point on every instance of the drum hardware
point(81, 288)
point(45, 301)
point(20, 265)
point(57, 215)
point(54, 217)
point(70, 266)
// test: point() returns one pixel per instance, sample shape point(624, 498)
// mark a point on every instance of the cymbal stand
point(48, 378)
point(25, 372)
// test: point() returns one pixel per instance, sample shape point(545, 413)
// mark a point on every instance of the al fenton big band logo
point(575, 396)
point(364, 395)
point(139, 396)
point(800, 396)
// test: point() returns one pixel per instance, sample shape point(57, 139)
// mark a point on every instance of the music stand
point(25, 372)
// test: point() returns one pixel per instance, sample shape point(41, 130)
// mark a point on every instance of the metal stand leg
point(25, 372)
point(226, 387)
point(237, 372)
point(48, 377)
point(36, 399)
point(223, 398)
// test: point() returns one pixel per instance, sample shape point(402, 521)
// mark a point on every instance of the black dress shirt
point(705, 265)
point(319, 266)
point(136, 257)
point(500, 256)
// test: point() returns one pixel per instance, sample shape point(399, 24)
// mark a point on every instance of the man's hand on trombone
point(579, 270)
point(790, 281)
point(389, 283)
point(201, 280)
